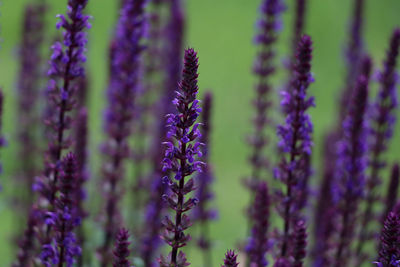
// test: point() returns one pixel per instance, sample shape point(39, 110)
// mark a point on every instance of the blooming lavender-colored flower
point(295, 139)
point(230, 259)
point(264, 68)
point(180, 159)
point(121, 250)
point(300, 243)
point(382, 124)
point(352, 164)
point(64, 247)
point(354, 52)
point(26, 245)
point(392, 191)
point(389, 252)
point(119, 113)
point(202, 213)
point(257, 246)
point(28, 87)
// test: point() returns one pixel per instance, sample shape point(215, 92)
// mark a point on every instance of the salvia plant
point(156, 184)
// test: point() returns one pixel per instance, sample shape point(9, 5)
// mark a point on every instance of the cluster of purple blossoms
point(389, 252)
point(121, 94)
point(230, 259)
point(258, 243)
point(180, 159)
point(63, 247)
point(121, 251)
point(295, 140)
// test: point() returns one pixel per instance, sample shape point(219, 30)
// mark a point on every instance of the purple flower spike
point(300, 240)
point(382, 125)
point(264, 68)
point(66, 67)
point(122, 91)
point(257, 246)
point(389, 252)
point(351, 165)
point(121, 250)
point(230, 259)
point(29, 82)
point(181, 159)
point(354, 52)
point(295, 140)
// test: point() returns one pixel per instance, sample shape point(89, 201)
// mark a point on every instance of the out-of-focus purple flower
point(392, 191)
point(298, 25)
point(121, 97)
point(383, 117)
point(295, 140)
point(324, 226)
point(63, 247)
point(81, 146)
point(389, 252)
point(300, 244)
point(282, 262)
point(156, 206)
point(203, 213)
point(121, 251)
point(353, 54)
point(28, 88)
point(26, 244)
point(230, 259)
point(263, 69)
point(352, 162)
point(181, 159)
point(257, 245)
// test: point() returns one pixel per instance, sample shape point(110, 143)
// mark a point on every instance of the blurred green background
point(222, 32)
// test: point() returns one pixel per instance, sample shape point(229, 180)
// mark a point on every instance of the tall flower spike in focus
point(389, 252)
point(121, 95)
point(295, 141)
point(202, 213)
point(257, 246)
point(64, 248)
point(181, 159)
point(121, 251)
point(382, 124)
point(230, 259)
point(352, 162)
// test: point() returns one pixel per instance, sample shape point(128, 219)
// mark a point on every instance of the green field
point(222, 32)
